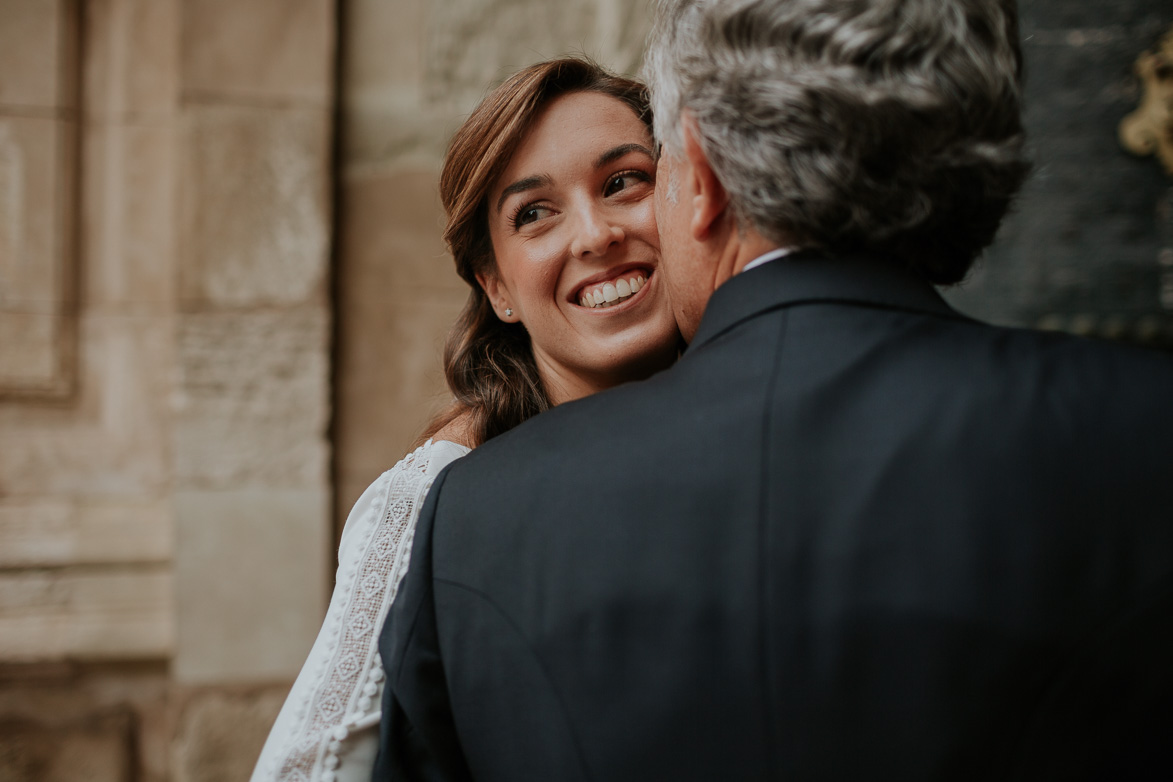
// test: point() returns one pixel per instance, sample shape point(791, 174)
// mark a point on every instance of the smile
point(608, 294)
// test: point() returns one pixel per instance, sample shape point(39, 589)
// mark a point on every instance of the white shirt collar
point(772, 255)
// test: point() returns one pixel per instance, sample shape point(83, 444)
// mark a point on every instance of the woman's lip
point(648, 274)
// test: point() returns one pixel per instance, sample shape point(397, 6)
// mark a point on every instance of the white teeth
point(612, 293)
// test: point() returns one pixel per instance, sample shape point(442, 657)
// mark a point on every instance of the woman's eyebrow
point(617, 152)
point(521, 185)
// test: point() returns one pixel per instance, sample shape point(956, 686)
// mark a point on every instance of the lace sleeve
point(335, 702)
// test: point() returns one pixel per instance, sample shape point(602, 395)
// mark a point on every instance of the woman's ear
point(709, 197)
point(498, 297)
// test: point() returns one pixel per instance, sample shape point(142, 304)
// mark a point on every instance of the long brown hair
point(488, 363)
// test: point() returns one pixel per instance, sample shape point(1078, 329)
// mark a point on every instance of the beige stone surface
point(128, 218)
point(472, 42)
point(114, 438)
point(398, 295)
point(384, 77)
point(36, 253)
point(32, 362)
point(221, 735)
point(261, 49)
point(251, 569)
point(36, 41)
point(622, 31)
point(413, 69)
point(57, 699)
point(255, 206)
point(392, 236)
point(252, 403)
point(393, 384)
point(32, 206)
point(384, 46)
point(57, 532)
point(118, 613)
point(132, 60)
point(97, 750)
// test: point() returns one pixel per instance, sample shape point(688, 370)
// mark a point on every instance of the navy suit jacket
point(850, 535)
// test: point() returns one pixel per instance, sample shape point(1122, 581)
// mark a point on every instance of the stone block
point(132, 59)
point(97, 750)
point(413, 70)
point(114, 438)
point(398, 296)
point(384, 131)
point(255, 225)
point(472, 42)
point(32, 205)
point(128, 218)
point(253, 399)
point(117, 613)
point(36, 254)
point(260, 50)
point(37, 47)
point(391, 237)
point(56, 532)
point(55, 701)
point(622, 30)
point(251, 570)
point(383, 48)
point(32, 354)
point(221, 735)
point(390, 383)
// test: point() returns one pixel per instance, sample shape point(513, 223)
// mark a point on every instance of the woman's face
point(574, 234)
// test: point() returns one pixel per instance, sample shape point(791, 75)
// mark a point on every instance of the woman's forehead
point(572, 130)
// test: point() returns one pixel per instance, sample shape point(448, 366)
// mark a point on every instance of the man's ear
point(498, 296)
point(709, 197)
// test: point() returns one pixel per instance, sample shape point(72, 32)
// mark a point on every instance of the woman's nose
point(595, 233)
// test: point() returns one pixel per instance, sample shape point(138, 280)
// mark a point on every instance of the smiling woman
point(549, 191)
point(565, 227)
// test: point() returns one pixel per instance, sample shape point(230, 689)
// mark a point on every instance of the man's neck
point(739, 252)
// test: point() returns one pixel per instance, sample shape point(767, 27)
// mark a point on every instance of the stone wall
point(165, 331)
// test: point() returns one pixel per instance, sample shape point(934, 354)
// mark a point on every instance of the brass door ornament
point(1149, 129)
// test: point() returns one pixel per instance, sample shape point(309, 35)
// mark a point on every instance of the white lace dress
point(328, 729)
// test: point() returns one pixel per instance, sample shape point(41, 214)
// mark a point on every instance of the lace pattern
point(339, 691)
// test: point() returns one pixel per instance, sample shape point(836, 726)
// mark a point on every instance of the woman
point(548, 192)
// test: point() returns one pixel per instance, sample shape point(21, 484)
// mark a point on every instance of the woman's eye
point(623, 181)
point(529, 214)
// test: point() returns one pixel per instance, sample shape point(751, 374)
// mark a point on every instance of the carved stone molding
point(39, 141)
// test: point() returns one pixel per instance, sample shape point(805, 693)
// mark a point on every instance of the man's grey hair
point(885, 126)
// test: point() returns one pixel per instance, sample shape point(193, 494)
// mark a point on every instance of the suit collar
point(806, 278)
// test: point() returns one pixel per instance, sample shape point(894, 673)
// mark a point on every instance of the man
point(851, 534)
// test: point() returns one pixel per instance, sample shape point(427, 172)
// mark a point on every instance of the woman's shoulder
point(414, 470)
